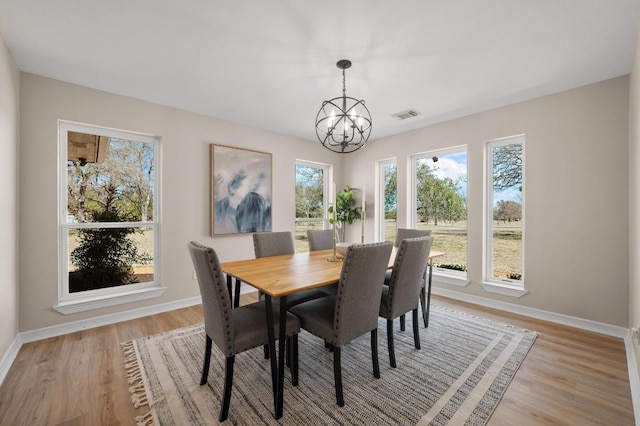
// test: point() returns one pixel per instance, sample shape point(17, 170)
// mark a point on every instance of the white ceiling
point(270, 64)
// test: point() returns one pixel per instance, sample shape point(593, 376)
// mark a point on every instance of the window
point(505, 224)
point(387, 227)
point(440, 204)
point(108, 217)
point(311, 200)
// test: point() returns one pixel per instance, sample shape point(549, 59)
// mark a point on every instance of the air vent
point(403, 115)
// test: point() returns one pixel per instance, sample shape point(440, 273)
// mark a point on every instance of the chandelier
point(343, 124)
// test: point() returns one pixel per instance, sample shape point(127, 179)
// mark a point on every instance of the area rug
point(458, 377)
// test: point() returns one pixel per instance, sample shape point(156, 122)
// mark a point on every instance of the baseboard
point(70, 327)
point(9, 356)
point(584, 324)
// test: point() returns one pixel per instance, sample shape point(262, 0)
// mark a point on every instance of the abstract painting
point(240, 190)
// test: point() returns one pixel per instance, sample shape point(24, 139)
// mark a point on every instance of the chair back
point(360, 290)
point(216, 303)
point(266, 244)
point(410, 233)
point(407, 274)
point(320, 239)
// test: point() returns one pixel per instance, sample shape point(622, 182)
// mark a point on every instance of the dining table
point(280, 276)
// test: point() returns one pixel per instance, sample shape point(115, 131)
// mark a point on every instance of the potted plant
point(345, 211)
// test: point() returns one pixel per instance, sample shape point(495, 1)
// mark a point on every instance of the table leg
point(229, 278)
point(426, 320)
point(281, 357)
point(272, 352)
point(236, 296)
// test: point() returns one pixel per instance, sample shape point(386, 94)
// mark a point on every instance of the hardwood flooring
point(570, 376)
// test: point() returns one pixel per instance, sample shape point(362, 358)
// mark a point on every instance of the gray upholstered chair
point(401, 295)
point(320, 239)
point(233, 330)
point(401, 235)
point(354, 310)
point(268, 244)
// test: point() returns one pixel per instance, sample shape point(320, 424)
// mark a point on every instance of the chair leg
point(423, 302)
point(392, 354)
point(207, 360)
point(228, 381)
point(337, 375)
point(288, 352)
point(294, 359)
point(374, 353)
point(266, 351)
point(402, 322)
point(236, 297)
point(416, 330)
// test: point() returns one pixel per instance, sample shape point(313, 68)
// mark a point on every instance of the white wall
point(576, 197)
point(9, 124)
point(634, 198)
point(185, 186)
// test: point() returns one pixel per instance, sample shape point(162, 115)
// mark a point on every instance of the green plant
point(455, 267)
point(345, 212)
point(514, 276)
point(105, 256)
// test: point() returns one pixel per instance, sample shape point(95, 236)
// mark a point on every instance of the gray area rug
point(458, 377)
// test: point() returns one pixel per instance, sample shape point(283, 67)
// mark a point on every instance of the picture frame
point(241, 188)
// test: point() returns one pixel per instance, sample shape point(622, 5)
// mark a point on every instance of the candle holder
point(335, 257)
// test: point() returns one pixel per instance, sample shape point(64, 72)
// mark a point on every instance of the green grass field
point(451, 239)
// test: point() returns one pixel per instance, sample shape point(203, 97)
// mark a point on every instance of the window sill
point(456, 280)
point(97, 302)
point(505, 290)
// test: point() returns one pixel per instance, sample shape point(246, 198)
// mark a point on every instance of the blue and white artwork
point(241, 190)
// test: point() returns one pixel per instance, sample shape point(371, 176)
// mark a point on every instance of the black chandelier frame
point(343, 124)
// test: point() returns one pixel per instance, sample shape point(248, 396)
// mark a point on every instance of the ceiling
point(270, 64)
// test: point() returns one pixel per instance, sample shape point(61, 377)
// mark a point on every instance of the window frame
point(491, 284)
point(380, 203)
point(68, 302)
point(326, 178)
point(445, 275)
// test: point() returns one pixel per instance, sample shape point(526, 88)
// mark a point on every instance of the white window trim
point(328, 173)
point(456, 278)
point(379, 203)
point(95, 299)
point(497, 285)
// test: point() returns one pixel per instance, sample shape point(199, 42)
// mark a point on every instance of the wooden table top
point(283, 275)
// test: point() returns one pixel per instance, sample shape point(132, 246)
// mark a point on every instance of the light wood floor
point(570, 377)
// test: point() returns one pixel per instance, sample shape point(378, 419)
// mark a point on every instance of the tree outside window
point(505, 220)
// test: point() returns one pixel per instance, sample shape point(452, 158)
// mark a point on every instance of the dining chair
point(268, 244)
point(353, 311)
point(401, 294)
point(233, 330)
point(401, 234)
point(320, 239)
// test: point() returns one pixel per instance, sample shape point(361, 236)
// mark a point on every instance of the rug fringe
point(145, 420)
point(134, 378)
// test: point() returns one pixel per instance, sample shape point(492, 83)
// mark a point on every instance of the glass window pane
point(108, 179)
point(390, 183)
point(441, 205)
point(109, 257)
point(309, 191)
point(507, 223)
